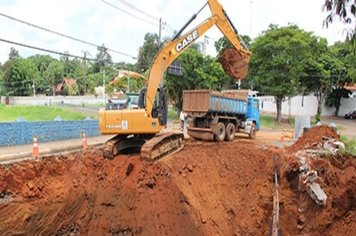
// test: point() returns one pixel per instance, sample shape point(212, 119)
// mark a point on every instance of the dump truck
point(219, 115)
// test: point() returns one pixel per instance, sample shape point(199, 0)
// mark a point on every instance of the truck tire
point(220, 132)
point(230, 132)
point(252, 134)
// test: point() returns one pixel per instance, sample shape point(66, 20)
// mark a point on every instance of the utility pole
point(104, 86)
point(160, 32)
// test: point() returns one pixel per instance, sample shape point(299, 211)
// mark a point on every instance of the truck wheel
point(220, 132)
point(252, 134)
point(230, 132)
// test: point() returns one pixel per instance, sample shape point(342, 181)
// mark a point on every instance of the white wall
point(48, 100)
point(305, 106)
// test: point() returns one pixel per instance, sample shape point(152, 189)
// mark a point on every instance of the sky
point(97, 22)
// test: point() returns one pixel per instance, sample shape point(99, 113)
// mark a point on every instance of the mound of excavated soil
point(234, 64)
point(206, 189)
point(313, 137)
point(302, 216)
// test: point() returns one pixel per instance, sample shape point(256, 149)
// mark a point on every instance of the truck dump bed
point(206, 101)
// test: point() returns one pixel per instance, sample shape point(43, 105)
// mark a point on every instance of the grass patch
point(350, 145)
point(37, 113)
point(173, 113)
point(267, 121)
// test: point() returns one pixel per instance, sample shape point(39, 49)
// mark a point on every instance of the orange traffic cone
point(85, 144)
point(35, 152)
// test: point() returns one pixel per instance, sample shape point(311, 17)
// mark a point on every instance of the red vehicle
point(350, 115)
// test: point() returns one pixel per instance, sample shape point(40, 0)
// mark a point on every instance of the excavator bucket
point(234, 63)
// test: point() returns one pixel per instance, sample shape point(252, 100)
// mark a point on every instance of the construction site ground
point(208, 188)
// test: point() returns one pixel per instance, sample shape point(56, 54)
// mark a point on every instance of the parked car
point(350, 115)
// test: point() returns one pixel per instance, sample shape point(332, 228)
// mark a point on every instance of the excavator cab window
point(160, 105)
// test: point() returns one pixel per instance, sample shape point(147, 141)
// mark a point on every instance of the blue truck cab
point(253, 111)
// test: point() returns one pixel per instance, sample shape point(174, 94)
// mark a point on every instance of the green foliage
point(2, 87)
point(323, 71)
point(19, 76)
point(199, 72)
point(344, 73)
point(104, 60)
point(147, 52)
point(278, 60)
point(350, 145)
point(14, 54)
point(345, 10)
point(334, 98)
point(37, 113)
point(173, 113)
point(125, 84)
point(223, 43)
point(267, 121)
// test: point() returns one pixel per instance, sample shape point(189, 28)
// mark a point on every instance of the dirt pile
point(234, 64)
point(313, 138)
point(336, 176)
point(195, 192)
point(206, 189)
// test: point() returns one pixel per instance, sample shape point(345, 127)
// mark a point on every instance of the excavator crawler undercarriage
point(151, 146)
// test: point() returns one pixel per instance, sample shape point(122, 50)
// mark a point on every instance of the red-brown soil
point(234, 64)
point(206, 189)
point(313, 137)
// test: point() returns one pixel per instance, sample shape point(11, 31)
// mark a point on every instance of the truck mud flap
point(201, 133)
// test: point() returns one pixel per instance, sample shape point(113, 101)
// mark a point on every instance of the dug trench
point(205, 189)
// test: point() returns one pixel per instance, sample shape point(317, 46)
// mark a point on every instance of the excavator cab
point(160, 107)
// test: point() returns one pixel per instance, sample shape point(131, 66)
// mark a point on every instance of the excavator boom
point(175, 47)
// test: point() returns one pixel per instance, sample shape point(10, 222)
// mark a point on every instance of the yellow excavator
point(142, 128)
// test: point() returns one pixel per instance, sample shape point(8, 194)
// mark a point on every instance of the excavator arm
point(172, 49)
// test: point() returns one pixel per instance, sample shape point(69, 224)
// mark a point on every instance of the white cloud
point(96, 22)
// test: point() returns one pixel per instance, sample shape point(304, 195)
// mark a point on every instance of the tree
point(346, 74)
point(71, 67)
point(2, 87)
point(82, 78)
point(54, 74)
point(14, 54)
point(103, 60)
point(346, 10)
point(223, 43)
point(278, 61)
point(42, 62)
point(322, 72)
point(334, 98)
point(20, 76)
point(147, 52)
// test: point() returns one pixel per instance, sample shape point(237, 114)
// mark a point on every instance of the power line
point(138, 9)
point(46, 50)
point(128, 13)
point(64, 35)
point(167, 27)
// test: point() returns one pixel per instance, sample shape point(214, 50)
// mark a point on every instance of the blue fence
point(15, 133)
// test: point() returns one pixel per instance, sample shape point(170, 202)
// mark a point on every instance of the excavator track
point(124, 143)
point(161, 145)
